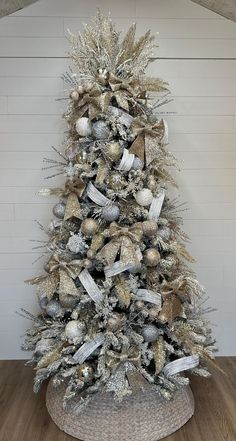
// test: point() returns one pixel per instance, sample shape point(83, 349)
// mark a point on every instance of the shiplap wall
point(197, 51)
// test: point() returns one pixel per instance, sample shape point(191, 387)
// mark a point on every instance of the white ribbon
point(126, 161)
point(149, 296)
point(88, 348)
point(96, 195)
point(156, 206)
point(116, 268)
point(182, 364)
point(90, 286)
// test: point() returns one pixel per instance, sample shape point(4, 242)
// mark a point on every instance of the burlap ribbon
point(124, 240)
point(145, 145)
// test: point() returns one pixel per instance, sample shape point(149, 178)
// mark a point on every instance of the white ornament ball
point(100, 130)
point(83, 126)
point(110, 213)
point(59, 210)
point(75, 331)
point(137, 164)
point(144, 197)
point(54, 309)
point(150, 333)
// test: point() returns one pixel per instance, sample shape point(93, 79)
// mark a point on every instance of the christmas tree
point(118, 299)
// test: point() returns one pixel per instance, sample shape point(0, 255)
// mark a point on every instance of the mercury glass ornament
point(137, 164)
point(59, 210)
point(144, 197)
point(151, 257)
point(75, 331)
point(150, 333)
point(68, 301)
point(149, 228)
point(113, 150)
point(100, 130)
point(89, 227)
point(110, 213)
point(83, 126)
point(85, 372)
point(54, 309)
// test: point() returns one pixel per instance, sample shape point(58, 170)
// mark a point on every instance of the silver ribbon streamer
point(90, 286)
point(149, 296)
point(88, 348)
point(180, 365)
point(126, 161)
point(156, 206)
point(116, 268)
point(96, 196)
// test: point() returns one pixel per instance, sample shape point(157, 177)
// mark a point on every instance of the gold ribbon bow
point(114, 359)
point(123, 239)
point(145, 145)
point(75, 185)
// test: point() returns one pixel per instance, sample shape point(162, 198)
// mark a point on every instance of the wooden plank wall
point(197, 53)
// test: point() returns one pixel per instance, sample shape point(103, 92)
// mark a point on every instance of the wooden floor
point(23, 415)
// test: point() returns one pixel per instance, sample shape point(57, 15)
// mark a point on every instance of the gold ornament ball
point(87, 263)
point(153, 312)
point(85, 372)
point(113, 150)
point(151, 257)
point(89, 227)
point(74, 95)
point(149, 228)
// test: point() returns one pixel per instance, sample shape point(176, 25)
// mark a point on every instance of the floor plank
point(23, 415)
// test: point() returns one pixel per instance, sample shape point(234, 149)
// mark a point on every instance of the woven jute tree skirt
point(143, 416)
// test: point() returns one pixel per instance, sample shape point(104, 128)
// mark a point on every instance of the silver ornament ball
point(59, 210)
point(150, 333)
point(83, 126)
point(75, 331)
point(100, 130)
point(110, 213)
point(54, 309)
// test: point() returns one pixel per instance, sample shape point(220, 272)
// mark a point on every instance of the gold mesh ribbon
point(145, 145)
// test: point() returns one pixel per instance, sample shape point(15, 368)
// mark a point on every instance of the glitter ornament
point(74, 95)
point(89, 227)
point(164, 232)
point(85, 372)
point(75, 331)
point(151, 257)
point(150, 333)
point(100, 130)
point(149, 228)
point(59, 210)
point(113, 151)
point(110, 213)
point(144, 197)
point(137, 164)
point(54, 309)
point(83, 126)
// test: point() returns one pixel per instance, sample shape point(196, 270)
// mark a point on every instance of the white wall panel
point(197, 56)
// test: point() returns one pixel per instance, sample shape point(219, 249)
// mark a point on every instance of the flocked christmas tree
point(118, 302)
